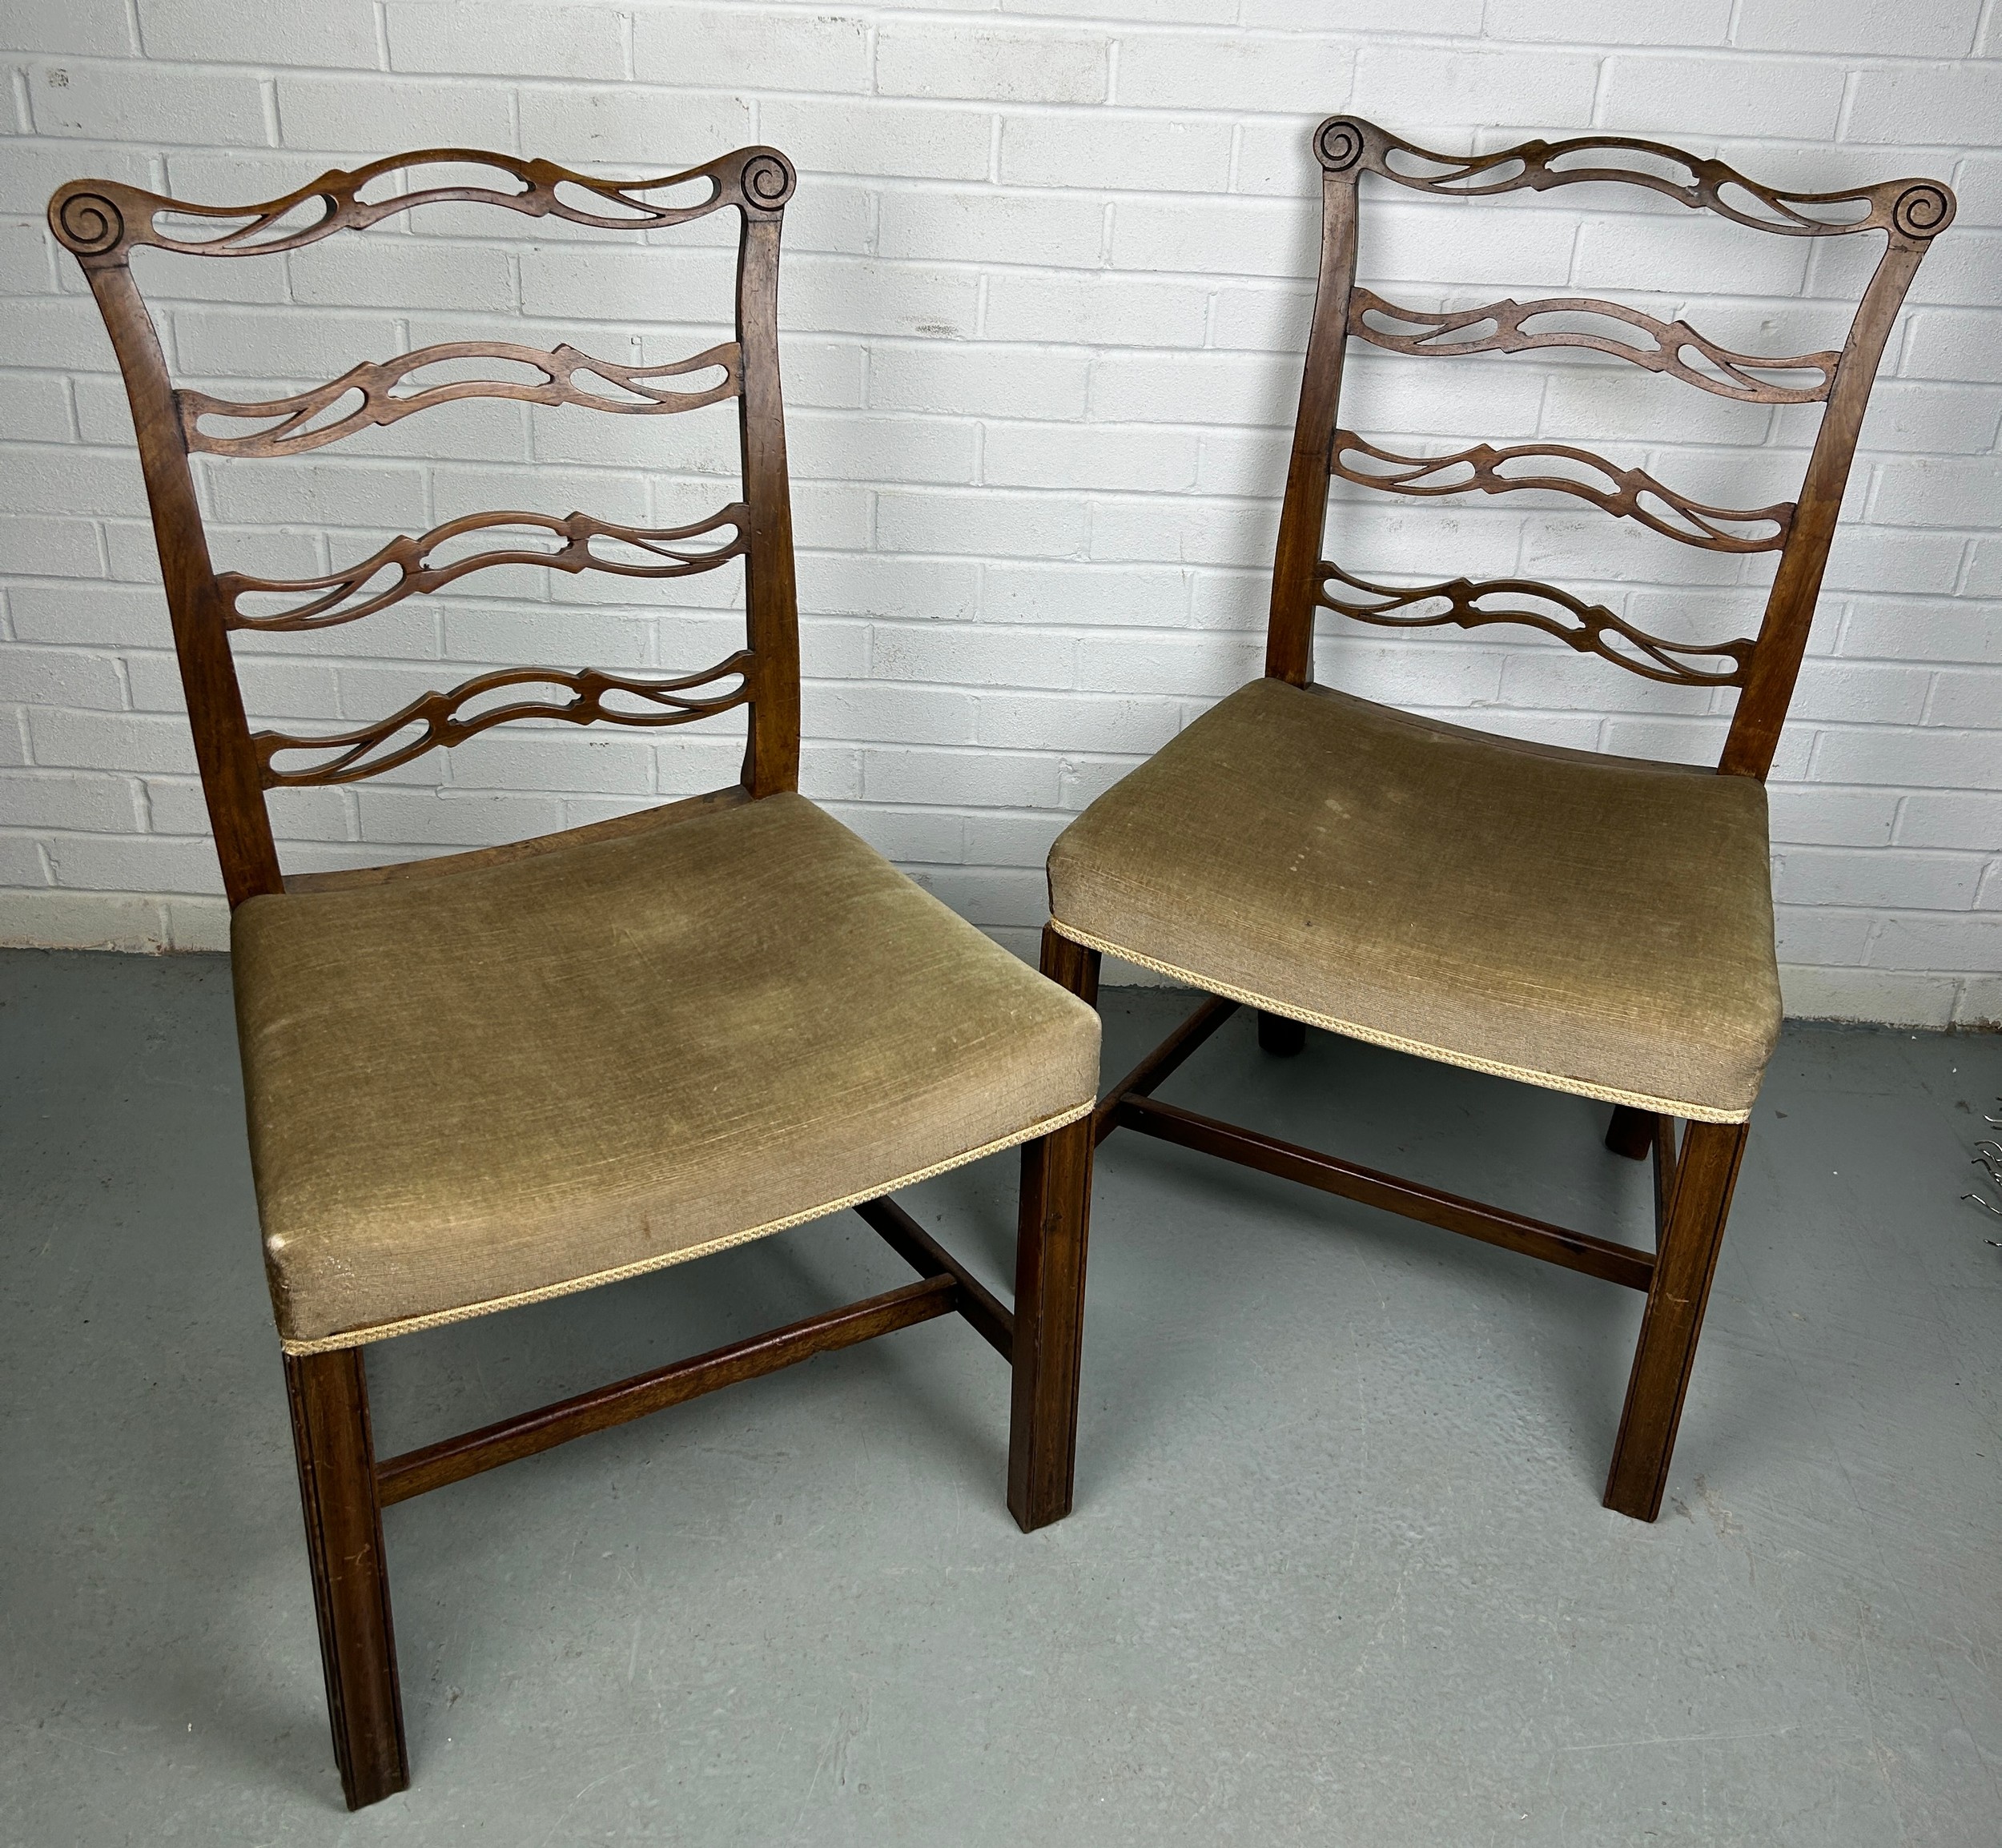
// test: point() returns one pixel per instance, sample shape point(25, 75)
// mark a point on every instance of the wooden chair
point(1592, 924)
point(484, 1080)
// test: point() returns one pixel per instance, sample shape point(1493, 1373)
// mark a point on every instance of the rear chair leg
point(1279, 1036)
point(1631, 1132)
point(1686, 1260)
point(335, 1449)
point(1049, 1288)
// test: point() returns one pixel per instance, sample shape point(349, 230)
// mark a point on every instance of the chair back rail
point(102, 222)
point(1909, 212)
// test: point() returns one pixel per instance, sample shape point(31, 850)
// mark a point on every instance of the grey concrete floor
point(1338, 1571)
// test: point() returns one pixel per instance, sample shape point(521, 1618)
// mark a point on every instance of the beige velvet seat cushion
point(503, 1083)
point(1594, 924)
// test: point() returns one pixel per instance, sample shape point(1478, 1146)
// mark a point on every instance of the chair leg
point(1631, 1132)
point(1279, 1036)
point(1686, 1260)
point(1049, 1289)
point(335, 1449)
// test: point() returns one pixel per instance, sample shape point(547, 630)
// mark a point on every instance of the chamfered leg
point(1684, 1261)
point(1279, 1036)
point(1049, 1289)
point(1631, 1132)
point(335, 1449)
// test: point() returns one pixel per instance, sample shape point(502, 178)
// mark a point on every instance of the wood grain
point(507, 1440)
point(1677, 1295)
point(1049, 1289)
point(1162, 1061)
point(1572, 1250)
point(990, 1320)
point(334, 1450)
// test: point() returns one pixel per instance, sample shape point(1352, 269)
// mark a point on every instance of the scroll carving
point(1730, 374)
point(1922, 211)
point(375, 382)
point(360, 753)
point(1914, 211)
point(1590, 628)
point(88, 222)
point(1633, 493)
point(408, 558)
point(101, 220)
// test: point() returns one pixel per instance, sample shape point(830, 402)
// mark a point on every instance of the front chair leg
point(1049, 1289)
point(1684, 1261)
point(335, 1449)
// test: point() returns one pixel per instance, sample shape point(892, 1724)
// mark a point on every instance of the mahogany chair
point(1592, 924)
point(484, 1080)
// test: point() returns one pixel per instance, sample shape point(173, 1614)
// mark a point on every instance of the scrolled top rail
point(1912, 211)
point(102, 221)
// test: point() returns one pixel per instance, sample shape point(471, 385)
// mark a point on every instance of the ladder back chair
point(484, 1080)
point(1589, 923)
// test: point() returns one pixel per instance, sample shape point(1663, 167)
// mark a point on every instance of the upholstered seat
point(1593, 924)
point(493, 1085)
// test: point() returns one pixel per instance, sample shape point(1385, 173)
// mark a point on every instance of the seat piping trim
point(413, 1324)
point(1374, 1036)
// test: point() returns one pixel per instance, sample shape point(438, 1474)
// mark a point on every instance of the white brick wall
point(1046, 290)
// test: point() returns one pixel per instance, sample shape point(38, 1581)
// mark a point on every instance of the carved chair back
point(102, 222)
point(1910, 212)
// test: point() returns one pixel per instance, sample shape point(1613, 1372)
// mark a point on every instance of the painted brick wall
point(1044, 301)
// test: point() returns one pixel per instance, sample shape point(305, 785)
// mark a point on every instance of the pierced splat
point(1906, 214)
point(102, 222)
point(1633, 493)
point(435, 720)
point(567, 377)
point(1714, 368)
point(1590, 628)
point(346, 595)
